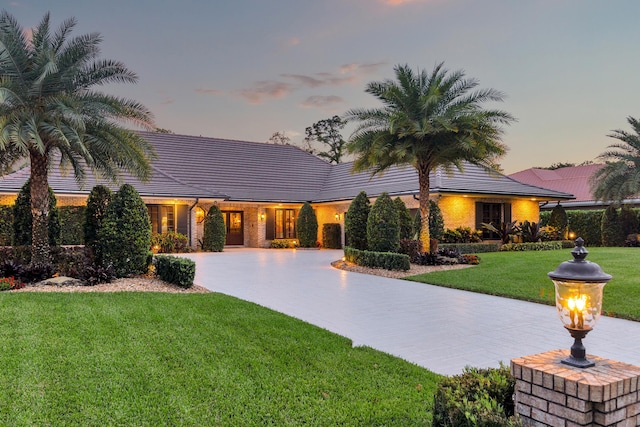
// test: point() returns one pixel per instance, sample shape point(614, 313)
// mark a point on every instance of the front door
point(235, 230)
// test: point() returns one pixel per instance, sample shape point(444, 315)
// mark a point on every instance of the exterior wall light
point(199, 214)
point(337, 216)
point(261, 217)
point(579, 286)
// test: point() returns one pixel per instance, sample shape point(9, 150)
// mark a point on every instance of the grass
point(523, 275)
point(149, 359)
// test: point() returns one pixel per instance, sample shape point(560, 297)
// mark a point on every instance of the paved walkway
point(441, 329)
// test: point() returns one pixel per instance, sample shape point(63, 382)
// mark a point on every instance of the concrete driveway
point(441, 329)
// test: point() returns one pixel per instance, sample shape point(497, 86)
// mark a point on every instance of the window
point(492, 213)
point(285, 224)
point(162, 218)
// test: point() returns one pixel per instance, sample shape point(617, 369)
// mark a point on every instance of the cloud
point(207, 91)
point(265, 89)
point(307, 81)
point(293, 41)
point(167, 101)
point(400, 2)
point(318, 101)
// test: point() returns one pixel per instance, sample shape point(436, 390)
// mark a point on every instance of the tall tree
point(50, 110)
point(428, 120)
point(327, 132)
point(619, 179)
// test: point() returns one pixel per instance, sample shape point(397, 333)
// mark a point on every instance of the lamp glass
point(579, 304)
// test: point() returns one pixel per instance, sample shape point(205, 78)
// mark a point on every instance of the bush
point(586, 224)
point(9, 283)
point(386, 260)
point(628, 220)
point(283, 244)
point(215, 231)
point(355, 222)
point(95, 214)
point(405, 222)
point(125, 236)
point(331, 236)
point(473, 248)
point(531, 232)
point(632, 240)
point(383, 233)
point(558, 222)
point(169, 243)
point(436, 221)
point(72, 222)
point(462, 235)
point(611, 228)
point(6, 225)
point(36, 273)
point(307, 227)
point(532, 246)
point(93, 274)
point(22, 218)
point(176, 270)
point(477, 397)
point(409, 247)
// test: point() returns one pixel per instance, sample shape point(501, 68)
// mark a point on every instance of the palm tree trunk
point(424, 183)
point(40, 251)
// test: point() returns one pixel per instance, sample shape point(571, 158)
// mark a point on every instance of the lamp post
point(579, 284)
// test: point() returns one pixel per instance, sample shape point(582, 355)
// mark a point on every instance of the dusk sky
point(244, 69)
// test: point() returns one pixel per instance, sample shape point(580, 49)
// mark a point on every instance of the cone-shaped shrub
point(611, 228)
point(215, 232)
point(125, 236)
point(436, 222)
point(355, 222)
point(307, 226)
point(405, 222)
point(95, 214)
point(558, 222)
point(383, 233)
point(628, 221)
point(22, 218)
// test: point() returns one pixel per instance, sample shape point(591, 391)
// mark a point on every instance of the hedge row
point(536, 246)
point(471, 248)
point(176, 270)
point(71, 221)
point(386, 260)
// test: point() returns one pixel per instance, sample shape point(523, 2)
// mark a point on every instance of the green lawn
point(523, 275)
point(147, 359)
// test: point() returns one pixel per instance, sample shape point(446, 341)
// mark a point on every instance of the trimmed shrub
point(22, 218)
point(472, 248)
point(331, 236)
point(170, 243)
point(215, 231)
point(72, 222)
point(628, 220)
point(611, 228)
point(6, 225)
point(436, 222)
point(176, 270)
point(383, 233)
point(307, 227)
point(283, 244)
point(409, 247)
point(558, 223)
point(355, 222)
point(405, 222)
point(386, 260)
point(462, 235)
point(477, 397)
point(95, 214)
point(125, 235)
point(586, 224)
point(532, 246)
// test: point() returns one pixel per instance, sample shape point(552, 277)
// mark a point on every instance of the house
point(260, 188)
point(574, 180)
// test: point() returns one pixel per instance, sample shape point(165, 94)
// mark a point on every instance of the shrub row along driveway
point(441, 329)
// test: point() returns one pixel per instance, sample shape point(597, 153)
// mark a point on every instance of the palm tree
point(427, 121)
point(50, 111)
point(619, 179)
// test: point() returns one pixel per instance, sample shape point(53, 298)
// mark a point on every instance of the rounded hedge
point(215, 231)
point(383, 232)
point(95, 214)
point(355, 222)
point(307, 227)
point(125, 236)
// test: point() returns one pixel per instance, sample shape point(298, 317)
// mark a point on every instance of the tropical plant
point(383, 232)
point(355, 222)
point(405, 222)
point(619, 179)
point(504, 230)
point(50, 111)
point(427, 121)
point(97, 204)
point(531, 232)
point(307, 226)
point(125, 235)
point(23, 218)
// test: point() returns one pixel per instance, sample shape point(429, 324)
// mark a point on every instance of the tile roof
point(195, 166)
point(574, 180)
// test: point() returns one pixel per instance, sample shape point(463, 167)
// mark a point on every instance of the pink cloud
point(207, 91)
point(293, 41)
point(318, 101)
point(265, 89)
point(400, 2)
